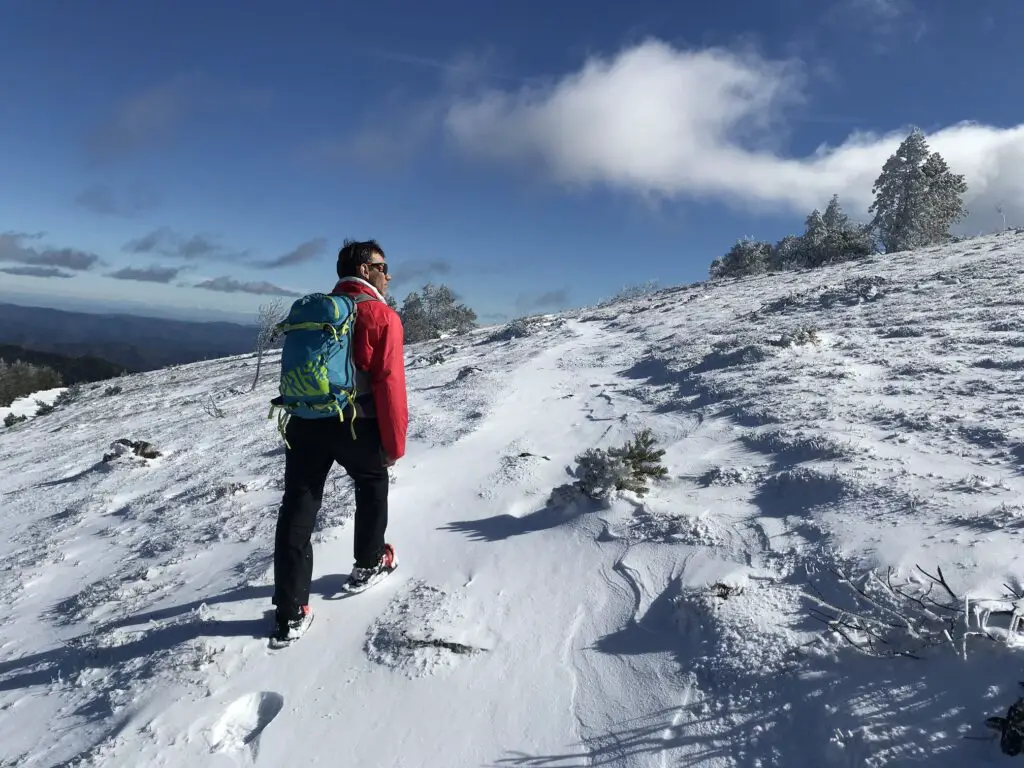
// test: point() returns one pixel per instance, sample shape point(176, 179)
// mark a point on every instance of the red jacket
point(377, 347)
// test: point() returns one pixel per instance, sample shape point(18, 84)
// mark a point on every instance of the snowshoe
point(1011, 728)
point(362, 579)
point(288, 631)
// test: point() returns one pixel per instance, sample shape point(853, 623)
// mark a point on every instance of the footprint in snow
point(422, 631)
point(244, 721)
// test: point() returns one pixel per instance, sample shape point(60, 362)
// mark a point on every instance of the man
point(381, 420)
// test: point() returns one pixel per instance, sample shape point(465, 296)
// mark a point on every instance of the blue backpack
point(318, 375)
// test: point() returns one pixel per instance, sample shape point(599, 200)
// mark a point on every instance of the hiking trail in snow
point(859, 416)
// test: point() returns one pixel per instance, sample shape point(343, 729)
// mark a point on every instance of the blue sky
point(533, 157)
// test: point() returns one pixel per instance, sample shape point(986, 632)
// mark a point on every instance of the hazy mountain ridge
point(73, 370)
point(133, 341)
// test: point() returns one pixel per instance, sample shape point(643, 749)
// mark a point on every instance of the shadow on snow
point(82, 652)
point(564, 505)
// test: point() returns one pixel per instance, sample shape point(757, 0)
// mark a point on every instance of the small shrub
point(516, 329)
point(598, 473)
point(724, 591)
point(796, 446)
point(114, 390)
point(726, 476)
point(1000, 365)
point(433, 359)
point(797, 338)
point(521, 327)
point(749, 354)
point(622, 469)
point(124, 446)
point(438, 356)
point(903, 332)
point(12, 418)
point(792, 301)
point(1003, 326)
point(630, 292)
point(856, 291)
point(68, 396)
point(44, 408)
point(212, 409)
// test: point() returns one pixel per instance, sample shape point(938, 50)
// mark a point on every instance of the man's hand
point(388, 461)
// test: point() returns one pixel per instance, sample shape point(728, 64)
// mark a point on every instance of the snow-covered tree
point(433, 312)
point(917, 197)
point(828, 237)
point(854, 242)
point(1001, 210)
point(834, 219)
point(746, 257)
point(19, 378)
point(267, 316)
point(627, 468)
point(831, 237)
point(945, 195)
point(900, 198)
point(786, 254)
point(815, 231)
point(12, 418)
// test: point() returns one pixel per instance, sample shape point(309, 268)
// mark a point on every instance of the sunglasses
point(382, 266)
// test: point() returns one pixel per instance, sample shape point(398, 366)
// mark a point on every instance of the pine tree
point(855, 242)
point(642, 461)
point(627, 468)
point(945, 192)
point(843, 240)
point(812, 243)
point(746, 257)
point(834, 219)
point(900, 194)
point(434, 311)
point(19, 378)
point(414, 318)
point(917, 197)
point(786, 254)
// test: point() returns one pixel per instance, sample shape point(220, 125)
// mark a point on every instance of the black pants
point(315, 445)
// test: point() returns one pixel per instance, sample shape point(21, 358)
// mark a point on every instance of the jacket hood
point(357, 285)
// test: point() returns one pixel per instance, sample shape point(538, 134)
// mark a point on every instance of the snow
point(26, 406)
point(826, 433)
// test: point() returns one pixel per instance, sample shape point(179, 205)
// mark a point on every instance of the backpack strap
point(359, 298)
point(363, 388)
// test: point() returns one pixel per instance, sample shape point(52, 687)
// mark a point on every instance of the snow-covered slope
point(816, 425)
point(28, 405)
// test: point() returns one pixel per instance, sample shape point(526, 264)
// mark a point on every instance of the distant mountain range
point(73, 370)
point(132, 342)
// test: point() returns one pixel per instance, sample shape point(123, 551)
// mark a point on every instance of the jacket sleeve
point(387, 374)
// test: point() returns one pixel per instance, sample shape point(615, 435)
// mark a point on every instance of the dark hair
point(356, 252)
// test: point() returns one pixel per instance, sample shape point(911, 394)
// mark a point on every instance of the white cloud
point(706, 124)
point(886, 9)
point(230, 285)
